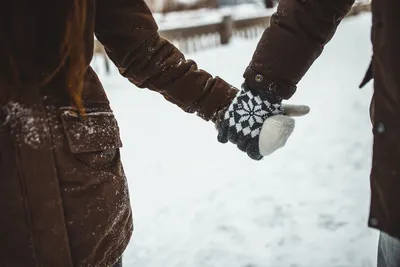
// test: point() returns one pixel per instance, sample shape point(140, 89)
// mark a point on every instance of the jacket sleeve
point(130, 36)
point(297, 34)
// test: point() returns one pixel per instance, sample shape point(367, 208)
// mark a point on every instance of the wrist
point(265, 95)
point(279, 89)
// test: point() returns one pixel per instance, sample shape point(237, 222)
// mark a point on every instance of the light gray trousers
point(388, 251)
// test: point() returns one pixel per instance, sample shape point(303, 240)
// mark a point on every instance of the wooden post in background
point(226, 29)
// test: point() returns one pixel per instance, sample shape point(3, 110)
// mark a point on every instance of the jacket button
point(259, 78)
point(373, 221)
point(380, 127)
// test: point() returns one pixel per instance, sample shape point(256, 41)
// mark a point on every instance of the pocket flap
point(99, 131)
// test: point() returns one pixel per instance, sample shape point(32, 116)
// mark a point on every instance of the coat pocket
point(95, 139)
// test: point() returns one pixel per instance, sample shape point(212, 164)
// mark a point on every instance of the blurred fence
point(200, 37)
point(195, 38)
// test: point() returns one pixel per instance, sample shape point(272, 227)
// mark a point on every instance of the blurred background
point(168, 5)
point(199, 203)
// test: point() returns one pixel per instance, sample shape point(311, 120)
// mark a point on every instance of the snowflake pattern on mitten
point(248, 112)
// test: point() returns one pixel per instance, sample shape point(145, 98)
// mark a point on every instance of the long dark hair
point(25, 26)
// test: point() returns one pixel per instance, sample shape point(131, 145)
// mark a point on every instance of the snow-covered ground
point(199, 203)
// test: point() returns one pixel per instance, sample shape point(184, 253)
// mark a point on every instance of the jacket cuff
point(273, 89)
point(221, 96)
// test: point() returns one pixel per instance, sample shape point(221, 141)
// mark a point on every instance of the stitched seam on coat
point(57, 172)
point(28, 213)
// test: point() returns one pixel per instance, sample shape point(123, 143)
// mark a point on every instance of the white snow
point(199, 203)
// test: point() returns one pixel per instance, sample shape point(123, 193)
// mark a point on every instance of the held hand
point(257, 125)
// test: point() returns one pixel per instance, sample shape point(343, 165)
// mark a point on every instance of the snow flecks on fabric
point(180, 62)
point(28, 125)
point(281, 12)
point(97, 132)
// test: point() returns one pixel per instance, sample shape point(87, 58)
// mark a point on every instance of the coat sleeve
point(130, 36)
point(297, 34)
